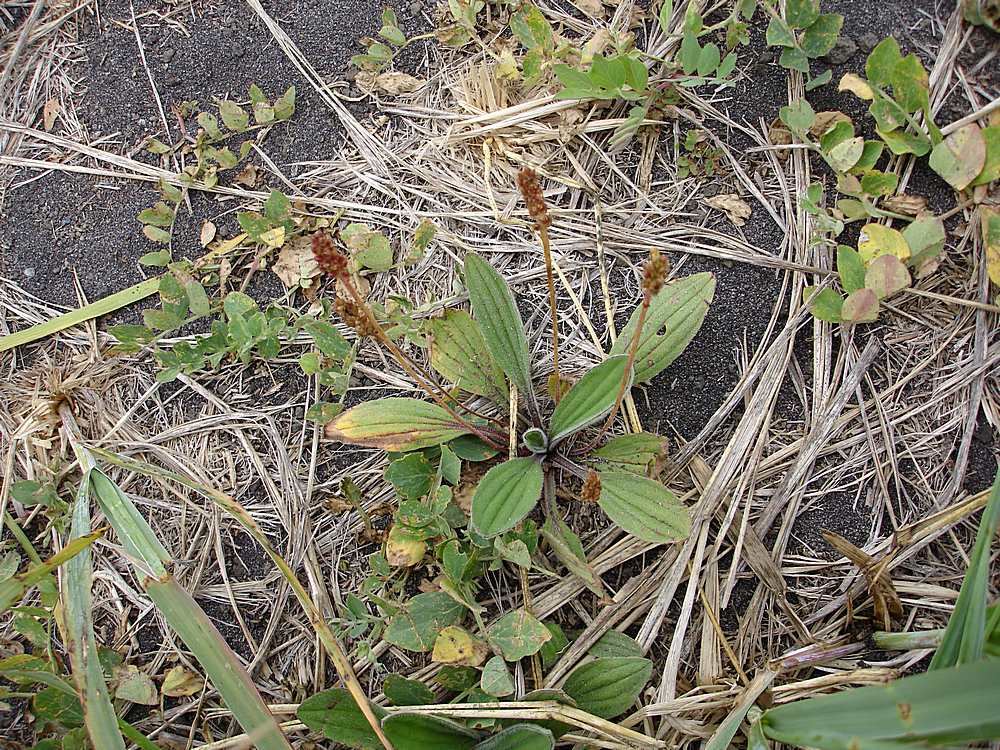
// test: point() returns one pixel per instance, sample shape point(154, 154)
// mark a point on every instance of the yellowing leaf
point(274, 237)
point(876, 240)
point(857, 86)
point(960, 157)
point(990, 219)
point(403, 550)
point(395, 424)
point(207, 234)
point(179, 682)
point(456, 645)
point(49, 112)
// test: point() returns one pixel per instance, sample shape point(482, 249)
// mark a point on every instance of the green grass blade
point(96, 309)
point(965, 636)
point(187, 619)
point(948, 706)
point(98, 712)
point(14, 587)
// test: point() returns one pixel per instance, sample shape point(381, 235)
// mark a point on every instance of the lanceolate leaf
point(674, 318)
point(335, 714)
point(505, 495)
point(520, 737)
point(459, 353)
point(644, 508)
point(607, 687)
point(503, 330)
point(965, 636)
point(589, 400)
point(395, 424)
point(952, 706)
point(615, 643)
point(568, 550)
point(423, 731)
point(416, 627)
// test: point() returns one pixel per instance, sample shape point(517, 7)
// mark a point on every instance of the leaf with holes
point(505, 495)
point(675, 316)
point(608, 686)
point(643, 507)
point(503, 330)
point(589, 400)
point(518, 634)
point(459, 353)
point(395, 424)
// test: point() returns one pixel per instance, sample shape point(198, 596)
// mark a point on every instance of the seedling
point(803, 34)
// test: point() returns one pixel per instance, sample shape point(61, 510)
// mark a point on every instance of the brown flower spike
point(329, 259)
point(654, 274)
point(591, 490)
point(534, 200)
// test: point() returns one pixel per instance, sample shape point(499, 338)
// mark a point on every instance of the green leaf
point(909, 84)
point(846, 154)
point(617, 644)
point(879, 183)
point(31, 492)
point(798, 116)
point(472, 448)
point(553, 647)
point(689, 53)
point(794, 58)
point(160, 215)
point(277, 207)
point(801, 13)
point(576, 83)
point(779, 34)
point(457, 678)
point(925, 236)
point(709, 59)
point(860, 307)
point(284, 105)
point(503, 330)
point(335, 714)
point(608, 686)
point(535, 440)
point(393, 34)
point(607, 72)
point(886, 275)
point(991, 165)
point(378, 255)
point(643, 507)
point(568, 549)
point(505, 495)
point(674, 317)
point(952, 706)
point(590, 399)
point(411, 475)
point(882, 61)
point(416, 626)
point(960, 157)
point(901, 142)
point(532, 29)
point(519, 737)
point(852, 272)
point(820, 37)
point(663, 17)
point(327, 339)
point(965, 635)
point(401, 691)
point(518, 634)
point(395, 425)
point(155, 234)
point(496, 679)
point(458, 351)
point(409, 731)
point(233, 116)
point(197, 298)
point(634, 452)
point(869, 156)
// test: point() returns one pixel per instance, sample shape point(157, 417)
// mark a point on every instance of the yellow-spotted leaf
point(644, 508)
point(876, 240)
point(395, 424)
point(456, 645)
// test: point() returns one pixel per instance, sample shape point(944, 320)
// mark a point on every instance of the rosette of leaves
point(804, 34)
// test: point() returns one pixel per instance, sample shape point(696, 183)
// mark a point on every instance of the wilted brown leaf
point(732, 205)
point(208, 231)
point(396, 82)
point(296, 265)
point(49, 111)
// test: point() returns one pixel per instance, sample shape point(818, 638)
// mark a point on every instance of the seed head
point(329, 259)
point(591, 490)
point(654, 273)
point(527, 183)
point(357, 317)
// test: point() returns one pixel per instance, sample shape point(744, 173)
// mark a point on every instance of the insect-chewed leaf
point(503, 330)
point(615, 644)
point(589, 400)
point(410, 731)
point(417, 626)
point(887, 275)
point(505, 495)
point(960, 157)
point(608, 686)
point(644, 508)
point(520, 737)
point(674, 317)
point(459, 353)
point(952, 706)
point(335, 714)
point(633, 452)
point(395, 424)
point(518, 634)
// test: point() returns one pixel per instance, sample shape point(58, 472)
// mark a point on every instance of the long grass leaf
point(186, 618)
point(14, 587)
point(965, 636)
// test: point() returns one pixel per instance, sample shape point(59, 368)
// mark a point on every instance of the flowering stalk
point(654, 274)
point(534, 200)
point(357, 314)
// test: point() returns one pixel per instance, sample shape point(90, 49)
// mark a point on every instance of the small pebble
point(868, 41)
point(168, 54)
point(843, 50)
point(29, 272)
point(172, 80)
point(416, 7)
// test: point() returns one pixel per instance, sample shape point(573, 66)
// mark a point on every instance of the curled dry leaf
point(396, 82)
point(208, 231)
point(826, 120)
point(732, 205)
point(296, 265)
point(49, 111)
point(909, 205)
point(248, 176)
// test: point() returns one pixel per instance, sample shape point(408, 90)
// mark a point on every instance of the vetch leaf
point(608, 686)
point(860, 307)
point(395, 424)
point(518, 634)
point(409, 731)
point(801, 13)
point(519, 737)
point(589, 400)
point(643, 507)
point(505, 495)
point(779, 34)
point(458, 351)
point(674, 317)
point(503, 330)
point(336, 715)
point(416, 626)
point(886, 275)
point(960, 157)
